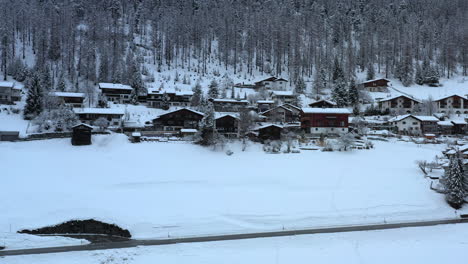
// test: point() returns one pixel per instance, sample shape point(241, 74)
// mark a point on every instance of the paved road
point(155, 242)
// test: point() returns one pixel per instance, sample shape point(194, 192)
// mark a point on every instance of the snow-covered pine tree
point(34, 100)
point(340, 92)
point(197, 95)
point(300, 86)
point(320, 80)
point(213, 91)
point(61, 85)
point(165, 102)
point(337, 71)
point(207, 134)
point(418, 77)
point(370, 72)
point(353, 93)
point(46, 80)
point(453, 183)
point(233, 94)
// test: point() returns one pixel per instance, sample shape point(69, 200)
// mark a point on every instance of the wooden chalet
point(227, 124)
point(90, 115)
point(229, 105)
point(282, 114)
point(116, 92)
point(377, 85)
point(70, 99)
point(264, 105)
point(9, 94)
point(81, 135)
point(323, 103)
point(174, 98)
point(174, 121)
point(456, 104)
point(400, 104)
point(415, 125)
point(269, 132)
point(272, 83)
point(325, 120)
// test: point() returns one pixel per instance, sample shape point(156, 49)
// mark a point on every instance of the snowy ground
point(429, 245)
point(179, 189)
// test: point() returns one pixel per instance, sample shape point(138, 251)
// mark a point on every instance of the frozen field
point(177, 189)
point(429, 245)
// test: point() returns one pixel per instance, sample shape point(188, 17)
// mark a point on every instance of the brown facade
point(227, 126)
point(176, 120)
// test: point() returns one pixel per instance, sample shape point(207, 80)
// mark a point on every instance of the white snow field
point(428, 245)
point(158, 190)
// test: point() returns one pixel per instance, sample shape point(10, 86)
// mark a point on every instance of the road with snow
point(197, 239)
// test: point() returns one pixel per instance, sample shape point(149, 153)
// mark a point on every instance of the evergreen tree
point(418, 77)
point(233, 94)
point(61, 85)
point(340, 93)
point(165, 102)
point(197, 95)
point(370, 72)
point(207, 134)
point(46, 80)
point(138, 87)
point(104, 68)
point(338, 74)
point(213, 91)
point(353, 93)
point(453, 183)
point(320, 80)
point(34, 100)
point(300, 86)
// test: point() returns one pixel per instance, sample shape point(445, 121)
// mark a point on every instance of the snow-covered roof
point(399, 95)
point(373, 80)
point(282, 93)
point(267, 125)
point(427, 118)
point(219, 115)
point(101, 111)
point(188, 130)
point(82, 124)
point(136, 134)
point(188, 109)
point(225, 100)
point(117, 86)
point(323, 100)
point(265, 102)
point(309, 110)
point(7, 84)
point(445, 123)
point(399, 118)
point(170, 91)
point(459, 122)
point(67, 94)
point(448, 96)
point(420, 118)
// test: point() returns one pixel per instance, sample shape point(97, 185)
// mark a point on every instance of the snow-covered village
point(225, 131)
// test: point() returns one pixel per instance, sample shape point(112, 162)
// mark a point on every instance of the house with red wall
point(325, 120)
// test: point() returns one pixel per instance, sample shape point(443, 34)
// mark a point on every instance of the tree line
point(85, 41)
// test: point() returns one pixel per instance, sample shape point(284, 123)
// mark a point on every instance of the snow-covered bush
point(57, 120)
point(102, 123)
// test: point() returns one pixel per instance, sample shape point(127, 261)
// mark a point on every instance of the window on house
point(415, 123)
point(404, 123)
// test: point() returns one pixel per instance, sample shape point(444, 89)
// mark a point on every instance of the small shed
point(136, 137)
point(270, 132)
point(81, 134)
point(9, 135)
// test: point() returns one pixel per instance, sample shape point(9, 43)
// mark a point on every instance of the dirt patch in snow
point(92, 230)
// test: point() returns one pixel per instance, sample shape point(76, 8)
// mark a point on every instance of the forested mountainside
point(99, 40)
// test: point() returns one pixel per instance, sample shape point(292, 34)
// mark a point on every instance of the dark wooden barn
point(227, 125)
point(176, 120)
point(81, 135)
point(270, 132)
